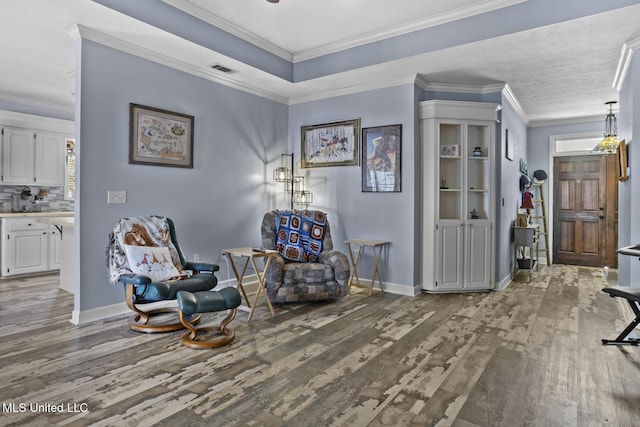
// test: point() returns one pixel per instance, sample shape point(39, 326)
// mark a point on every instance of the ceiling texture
point(560, 72)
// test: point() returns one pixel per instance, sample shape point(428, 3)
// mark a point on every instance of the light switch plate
point(116, 197)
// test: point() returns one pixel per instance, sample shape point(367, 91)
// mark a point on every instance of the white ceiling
point(561, 71)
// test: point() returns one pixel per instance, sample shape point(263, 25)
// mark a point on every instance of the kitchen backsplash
point(54, 199)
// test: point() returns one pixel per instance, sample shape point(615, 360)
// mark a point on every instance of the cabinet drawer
point(21, 224)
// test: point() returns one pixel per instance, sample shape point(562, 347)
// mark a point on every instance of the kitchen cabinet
point(458, 203)
point(32, 157)
point(28, 246)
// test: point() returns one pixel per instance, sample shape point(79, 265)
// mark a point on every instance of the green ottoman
point(190, 303)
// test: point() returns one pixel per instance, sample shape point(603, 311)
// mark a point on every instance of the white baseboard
point(394, 288)
point(100, 313)
point(502, 284)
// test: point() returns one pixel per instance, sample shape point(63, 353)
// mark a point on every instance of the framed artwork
point(508, 145)
point(382, 159)
point(450, 150)
point(622, 158)
point(160, 137)
point(331, 144)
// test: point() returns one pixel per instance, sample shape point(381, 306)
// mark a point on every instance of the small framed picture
point(508, 146)
point(450, 150)
point(160, 137)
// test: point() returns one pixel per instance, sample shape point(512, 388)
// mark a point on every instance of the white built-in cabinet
point(32, 157)
point(29, 247)
point(458, 202)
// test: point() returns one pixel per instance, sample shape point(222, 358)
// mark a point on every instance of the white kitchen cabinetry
point(32, 157)
point(18, 150)
point(458, 203)
point(49, 158)
point(29, 247)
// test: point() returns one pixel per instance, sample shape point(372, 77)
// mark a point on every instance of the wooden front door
point(585, 210)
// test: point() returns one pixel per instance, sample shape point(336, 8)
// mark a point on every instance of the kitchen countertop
point(9, 214)
point(60, 221)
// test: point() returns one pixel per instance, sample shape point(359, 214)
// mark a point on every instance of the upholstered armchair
point(144, 256)
point(317, 272)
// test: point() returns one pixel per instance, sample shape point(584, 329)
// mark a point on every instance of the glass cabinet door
point(478, 172)
point(450, 203)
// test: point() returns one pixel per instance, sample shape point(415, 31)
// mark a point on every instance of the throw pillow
point(152, 261)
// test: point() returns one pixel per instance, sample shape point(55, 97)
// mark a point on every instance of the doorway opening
point(585, 203)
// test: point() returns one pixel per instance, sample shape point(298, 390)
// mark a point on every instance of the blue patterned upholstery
point(291, 281)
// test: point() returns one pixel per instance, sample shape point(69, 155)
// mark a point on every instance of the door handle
point(601, 216)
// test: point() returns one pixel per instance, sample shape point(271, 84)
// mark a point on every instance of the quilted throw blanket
point(148, 231)
point(300, 234)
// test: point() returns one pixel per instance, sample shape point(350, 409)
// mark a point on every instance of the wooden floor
point(526, 356)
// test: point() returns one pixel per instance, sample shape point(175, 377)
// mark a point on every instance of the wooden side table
point(247, 254)
point(360, 244)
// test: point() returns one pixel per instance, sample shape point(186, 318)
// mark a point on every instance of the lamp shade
point(609, 145)
point(282, 174)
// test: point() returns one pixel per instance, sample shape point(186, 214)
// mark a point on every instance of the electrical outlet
point(196, 257)
point(222, 256)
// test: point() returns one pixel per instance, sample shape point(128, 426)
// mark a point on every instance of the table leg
point(261, 278)
point(354, 264)
point(376, 259)
point(240, 277)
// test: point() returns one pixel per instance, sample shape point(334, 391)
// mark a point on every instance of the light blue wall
point(509, 196)
point(218, 204)
point(629, 193)
point(338, 190)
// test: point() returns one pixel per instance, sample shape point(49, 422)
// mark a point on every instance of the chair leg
point(225, 335)
point(620, 339)
point(139, 322)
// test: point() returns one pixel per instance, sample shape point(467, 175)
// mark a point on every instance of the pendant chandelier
point(609, 145)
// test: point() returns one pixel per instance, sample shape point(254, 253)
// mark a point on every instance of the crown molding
point(507, 92)
point(461, 88)
point(623, 63)
point(208, 17)
point(39, 104)
point(33, 121)
point(374, 36)
point(417, 25)
point(379, 84)
point(81, 31)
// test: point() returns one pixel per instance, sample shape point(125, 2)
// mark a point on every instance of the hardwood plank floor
point(526, 356)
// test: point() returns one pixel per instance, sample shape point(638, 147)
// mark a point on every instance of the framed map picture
point(159, 137)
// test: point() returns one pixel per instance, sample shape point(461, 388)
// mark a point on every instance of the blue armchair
point(144, 256)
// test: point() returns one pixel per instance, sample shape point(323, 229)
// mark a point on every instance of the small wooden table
point(361, 243)
point(247, 254)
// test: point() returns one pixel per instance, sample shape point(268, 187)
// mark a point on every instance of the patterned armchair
point(304, 279)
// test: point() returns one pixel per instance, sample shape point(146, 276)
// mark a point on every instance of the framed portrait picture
point(382, 159)
point(331, 144)
point(160, 137)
